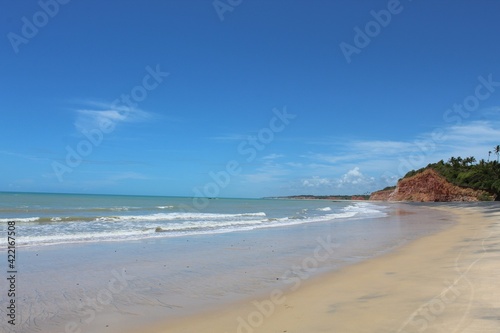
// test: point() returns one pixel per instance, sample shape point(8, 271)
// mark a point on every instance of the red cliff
point(429, 186)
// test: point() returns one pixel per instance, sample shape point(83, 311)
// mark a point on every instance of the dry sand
point(445, 282)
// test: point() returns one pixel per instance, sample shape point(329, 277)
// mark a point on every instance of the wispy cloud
point(492, 111)
point(95, 114)
point(475, 136)
point(24, 156)
point(477, 132)
point(353, 179)
point(316, 181)
point(383, 147)
point(272, 156)
point(331, 158)
point(360, 166)
point(230, 137)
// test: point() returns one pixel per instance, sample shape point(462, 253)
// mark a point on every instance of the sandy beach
point(402, 268)
point(445, 282)
point(239, 166)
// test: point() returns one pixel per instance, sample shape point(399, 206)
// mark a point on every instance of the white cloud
point(24, 156)
point(351, 182)
point(474, 138)
point(316, 181)
point(352, 176)
point(355, 167)
point(383, 147)
point(294, 164)
point(492, 111)
point(272, 156)
point(355, 177)
point(93, 118)
point(476, 132)
point(330, 158)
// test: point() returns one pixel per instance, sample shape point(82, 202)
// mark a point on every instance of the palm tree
point(497, 151)
point(468, 160)
point(489, 154)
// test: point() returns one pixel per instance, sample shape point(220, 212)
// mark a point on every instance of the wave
point(366, 209)
point(76, 229)
point(20, 220)
point(207, 225)
point(179, 217)
point(136, 218)
point(108, 209)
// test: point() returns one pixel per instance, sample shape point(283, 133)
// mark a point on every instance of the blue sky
point(242, 98)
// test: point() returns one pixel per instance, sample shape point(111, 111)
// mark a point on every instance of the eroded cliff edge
point(429, 186)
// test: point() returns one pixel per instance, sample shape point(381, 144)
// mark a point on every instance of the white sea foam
point(23, 219)
point(179, 216)
point(366, 209)
point(58, 230)
point(120, 208)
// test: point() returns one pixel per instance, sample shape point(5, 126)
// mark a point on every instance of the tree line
point(467, 172)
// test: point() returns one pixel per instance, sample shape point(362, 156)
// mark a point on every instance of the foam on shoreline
point(123, 285)
point(445, 282)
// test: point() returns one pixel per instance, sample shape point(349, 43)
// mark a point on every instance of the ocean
point(49, 219)
point(176, 260)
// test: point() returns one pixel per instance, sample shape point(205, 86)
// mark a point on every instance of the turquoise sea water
point(181, 259)
point(48, 219)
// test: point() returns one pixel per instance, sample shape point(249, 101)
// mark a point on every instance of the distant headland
point(458, 179)
point(324, 197)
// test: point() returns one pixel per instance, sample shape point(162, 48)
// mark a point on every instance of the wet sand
point(367, 275)
point(445, 282)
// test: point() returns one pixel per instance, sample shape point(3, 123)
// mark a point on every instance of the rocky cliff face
point(429, 186)
point(382, 195)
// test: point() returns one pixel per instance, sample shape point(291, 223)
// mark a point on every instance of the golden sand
point(445, 282)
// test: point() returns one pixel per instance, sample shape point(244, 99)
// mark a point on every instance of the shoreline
point(435, 282)
point(116, 286)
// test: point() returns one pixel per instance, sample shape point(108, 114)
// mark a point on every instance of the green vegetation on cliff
point(466, 172)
